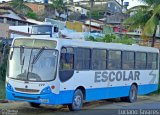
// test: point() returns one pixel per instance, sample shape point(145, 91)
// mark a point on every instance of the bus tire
point(36, 105)
point(77, 101)
point(132, 94)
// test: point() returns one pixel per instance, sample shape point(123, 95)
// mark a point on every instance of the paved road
point(146, 105)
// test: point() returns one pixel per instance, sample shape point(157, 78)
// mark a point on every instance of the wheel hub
point(77, 100)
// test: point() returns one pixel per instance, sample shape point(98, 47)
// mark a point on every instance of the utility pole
point(105, 15)
point(90, 14)
point(121, 20)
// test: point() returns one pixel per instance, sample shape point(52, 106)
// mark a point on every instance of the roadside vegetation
point(3, 65)
point(20, 7)
point(2, 90)
point(113, 38)
point(2, 79)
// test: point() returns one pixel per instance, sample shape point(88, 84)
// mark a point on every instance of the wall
point(4, 30)
point(77, 26)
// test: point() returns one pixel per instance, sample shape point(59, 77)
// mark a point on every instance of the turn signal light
point(52, 87)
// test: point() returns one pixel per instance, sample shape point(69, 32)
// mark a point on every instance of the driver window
point(66, 59)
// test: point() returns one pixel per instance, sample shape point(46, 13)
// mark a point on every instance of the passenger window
point(99, 59)
point(127, 60)
point(82, 58)
point(140, 60)
point(114, 60)
point(152, 60)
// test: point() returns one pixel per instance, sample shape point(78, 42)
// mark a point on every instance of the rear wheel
point(36, 105)
point(132, 95)
point(77, 101)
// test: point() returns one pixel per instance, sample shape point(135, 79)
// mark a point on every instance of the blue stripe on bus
point(115, 92)
point(103, 93)
point(62, 98)
point(145, 89)
point(65, 97)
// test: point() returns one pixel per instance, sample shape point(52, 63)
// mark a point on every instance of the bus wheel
point(77, 101)
point(36, 105)
point(132, 94)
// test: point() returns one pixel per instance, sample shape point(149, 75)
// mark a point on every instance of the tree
point(59, 6)
point(95, 14)
point(90, 14)
point(146, 17)
point(31, 15)
point(111, 38)
point(75, 16)
point(20, 7)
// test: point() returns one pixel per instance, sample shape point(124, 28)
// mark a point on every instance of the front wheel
point(36, 105)
point(77, 101)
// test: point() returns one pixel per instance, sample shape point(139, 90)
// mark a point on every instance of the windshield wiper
point(22, 64)
point(38, 55)
point(21, 53)
point(22, 60)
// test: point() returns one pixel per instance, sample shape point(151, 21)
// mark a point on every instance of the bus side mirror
point(56, 29)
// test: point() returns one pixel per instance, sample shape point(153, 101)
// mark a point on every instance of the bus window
point(127, 60)
point(99, 59)
point(82, 58)
point(152, 61)
point(67, 59)
point(114, 60)
point(140, 60)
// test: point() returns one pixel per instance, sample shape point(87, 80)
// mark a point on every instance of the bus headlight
point(46, 90)
point(9, 87)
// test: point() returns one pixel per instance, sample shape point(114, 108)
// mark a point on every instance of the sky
point(4, 0)
point(131, 2)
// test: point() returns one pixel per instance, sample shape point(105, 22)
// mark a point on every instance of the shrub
point(91, 38)
point(3, 67)
point(31, 15)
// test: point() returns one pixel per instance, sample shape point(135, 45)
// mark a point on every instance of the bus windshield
point(27, 64)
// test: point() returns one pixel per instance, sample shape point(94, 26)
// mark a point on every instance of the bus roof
point(101, 45)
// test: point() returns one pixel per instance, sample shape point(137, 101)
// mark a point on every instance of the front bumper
point(63, 97)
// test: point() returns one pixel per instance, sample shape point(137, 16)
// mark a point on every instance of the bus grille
point(26, 98)
point(27, 90)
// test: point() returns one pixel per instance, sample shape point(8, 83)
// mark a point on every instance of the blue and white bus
point(70, 72)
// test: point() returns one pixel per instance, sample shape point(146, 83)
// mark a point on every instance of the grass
point(2, 90)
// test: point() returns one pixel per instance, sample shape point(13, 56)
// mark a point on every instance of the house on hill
point(9, 16)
